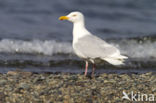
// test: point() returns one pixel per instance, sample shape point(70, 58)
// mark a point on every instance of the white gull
point(90, 47)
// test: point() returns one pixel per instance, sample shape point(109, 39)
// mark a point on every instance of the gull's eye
point(74, 15)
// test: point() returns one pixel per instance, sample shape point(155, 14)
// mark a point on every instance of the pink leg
point(86, 68)
point(93, 70)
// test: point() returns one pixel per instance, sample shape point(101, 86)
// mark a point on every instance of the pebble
point(26, 87)
point(3, 81)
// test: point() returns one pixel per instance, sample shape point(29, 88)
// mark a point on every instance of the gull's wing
point(91, 46)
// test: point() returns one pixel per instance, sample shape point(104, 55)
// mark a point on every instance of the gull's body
point(90, 47)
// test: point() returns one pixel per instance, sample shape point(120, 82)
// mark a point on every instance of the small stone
point(26, 74)
point(2, 96)
point(3, 82)
point(24, 86)
point(12, 73)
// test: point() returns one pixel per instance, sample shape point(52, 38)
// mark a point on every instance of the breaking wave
point(130, 47)
point(47, 47)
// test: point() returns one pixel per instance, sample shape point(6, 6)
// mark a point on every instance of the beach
point(28, 87)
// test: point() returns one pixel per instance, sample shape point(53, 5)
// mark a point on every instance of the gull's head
point(73, 17)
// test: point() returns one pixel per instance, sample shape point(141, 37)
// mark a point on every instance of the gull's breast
point(78, 52)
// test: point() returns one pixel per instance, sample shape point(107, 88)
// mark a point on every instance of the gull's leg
point(86, 68)
point(93, 70)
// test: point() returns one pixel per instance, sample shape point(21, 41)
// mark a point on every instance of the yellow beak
point(63, 18)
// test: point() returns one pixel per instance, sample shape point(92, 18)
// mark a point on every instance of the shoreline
point(27, 87)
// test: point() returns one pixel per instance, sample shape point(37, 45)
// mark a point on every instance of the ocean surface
point(33, 39)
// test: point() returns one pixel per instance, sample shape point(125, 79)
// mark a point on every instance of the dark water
point(33, 39)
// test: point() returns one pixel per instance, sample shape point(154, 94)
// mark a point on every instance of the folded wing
point(92, 47)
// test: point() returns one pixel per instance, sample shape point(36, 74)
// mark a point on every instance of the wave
point(138, 49)
point(130, 47)
point(47, 47)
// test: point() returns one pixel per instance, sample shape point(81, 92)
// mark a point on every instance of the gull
point(90, 47)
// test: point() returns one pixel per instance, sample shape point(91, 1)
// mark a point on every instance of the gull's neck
point(79, 30)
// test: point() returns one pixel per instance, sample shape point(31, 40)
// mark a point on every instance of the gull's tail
point(116, 60)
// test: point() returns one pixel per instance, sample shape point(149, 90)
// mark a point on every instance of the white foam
point(135, 49)
point(47, 47)
point(130, 48)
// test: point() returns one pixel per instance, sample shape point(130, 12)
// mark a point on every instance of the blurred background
point(33, 39)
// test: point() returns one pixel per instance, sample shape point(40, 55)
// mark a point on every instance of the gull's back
point(91, 46)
